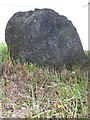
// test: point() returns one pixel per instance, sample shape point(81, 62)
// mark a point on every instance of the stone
point(44, 37)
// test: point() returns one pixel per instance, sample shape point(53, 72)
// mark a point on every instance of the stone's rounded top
point(44, 37)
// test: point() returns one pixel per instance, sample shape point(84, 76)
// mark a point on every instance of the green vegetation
point(29, 91)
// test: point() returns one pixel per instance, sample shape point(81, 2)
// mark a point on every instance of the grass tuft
point(30, 91)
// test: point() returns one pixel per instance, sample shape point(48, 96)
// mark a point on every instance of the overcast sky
point(74, 10)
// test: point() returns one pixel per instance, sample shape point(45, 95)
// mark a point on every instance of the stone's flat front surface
point(44, 37)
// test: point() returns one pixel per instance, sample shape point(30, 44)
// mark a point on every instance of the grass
point(31, 91)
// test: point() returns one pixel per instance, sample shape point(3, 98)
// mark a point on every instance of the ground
point(31, 91)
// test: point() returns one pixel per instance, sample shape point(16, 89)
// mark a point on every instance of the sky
point(74, 10)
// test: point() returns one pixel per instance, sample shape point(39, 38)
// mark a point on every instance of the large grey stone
point(44, 37)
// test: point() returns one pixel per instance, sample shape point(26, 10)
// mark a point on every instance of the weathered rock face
point(44, 37)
